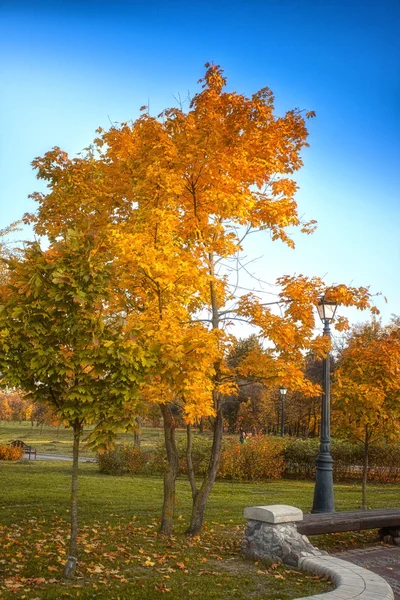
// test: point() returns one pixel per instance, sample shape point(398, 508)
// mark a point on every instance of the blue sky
point(68, 67)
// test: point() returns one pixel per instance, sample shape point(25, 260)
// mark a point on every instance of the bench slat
point(349, 521)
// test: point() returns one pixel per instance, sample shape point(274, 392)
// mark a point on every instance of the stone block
point(274, 513)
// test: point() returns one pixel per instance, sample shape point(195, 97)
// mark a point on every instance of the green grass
point(121, 554)
point(58, 440)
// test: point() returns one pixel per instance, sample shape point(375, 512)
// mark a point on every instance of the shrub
point(384, 463)
point(10, 453)
point(300, 456)
point(130, 459)
point(348, 457)
point(112, 462)
point(201, 448)
point(134, 459)
point(259, 458)
point(155, 460)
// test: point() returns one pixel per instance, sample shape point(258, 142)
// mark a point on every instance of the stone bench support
point(271, 535)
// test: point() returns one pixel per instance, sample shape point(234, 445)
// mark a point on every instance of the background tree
point(61, 343)
point(245, 390)
point(7, 248)
point(366, 393)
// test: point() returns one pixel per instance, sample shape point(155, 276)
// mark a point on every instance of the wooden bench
point(356, 520)
point(27, 449)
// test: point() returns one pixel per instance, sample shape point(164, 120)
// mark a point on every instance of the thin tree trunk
point(200, 501)
point(201, 496)
point(201, 425)
point(365, 469)
point(315, 426)
point(136, 434)
point(189, 461)
point(70, 567)
point(171, 471)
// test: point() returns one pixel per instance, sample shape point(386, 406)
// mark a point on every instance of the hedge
point(260, 458)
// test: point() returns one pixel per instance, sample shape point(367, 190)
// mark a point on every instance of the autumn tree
point(14, 406)
point(303, 411)
point(6, 411)
point(245, 390)
point(62, 343)
point(175, 196)
point(366, 393)
point(8, 248)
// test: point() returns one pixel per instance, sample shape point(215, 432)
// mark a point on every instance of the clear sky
point(68, 67)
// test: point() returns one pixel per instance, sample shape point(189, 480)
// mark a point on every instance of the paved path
point(54, 457)
point(383, 560)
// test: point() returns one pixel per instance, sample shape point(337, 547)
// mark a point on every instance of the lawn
point(121, 554)
point(58, 440)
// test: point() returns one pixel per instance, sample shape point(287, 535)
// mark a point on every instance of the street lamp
point(323, 491)
point(283, 392)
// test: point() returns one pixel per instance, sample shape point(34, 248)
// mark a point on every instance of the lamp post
point(283, 392)
point(323, 491)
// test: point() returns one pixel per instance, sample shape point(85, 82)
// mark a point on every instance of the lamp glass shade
point(283, 390)
point(326, 310)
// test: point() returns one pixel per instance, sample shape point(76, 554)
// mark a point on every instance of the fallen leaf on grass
point(12, 584)
point(149, 563)
point(96, 569)
point(161, 587)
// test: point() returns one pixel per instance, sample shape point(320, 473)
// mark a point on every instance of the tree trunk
point(189, 461)
point(365, 470)
point(171, 471)
point(136, 434)
point(201, 425)
point(200, 501)
point(70, 567)
point(200, 498)
point(315, 425)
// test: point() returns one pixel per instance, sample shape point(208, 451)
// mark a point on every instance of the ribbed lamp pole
point(323, 491)
point(283, 392)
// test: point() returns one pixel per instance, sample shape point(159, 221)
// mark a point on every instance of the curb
point(352, 582)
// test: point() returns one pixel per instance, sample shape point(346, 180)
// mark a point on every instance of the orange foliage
point(259, 458)
point(10, 453)
point(367, 382)
point(167, 194)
